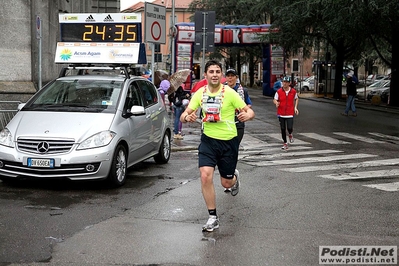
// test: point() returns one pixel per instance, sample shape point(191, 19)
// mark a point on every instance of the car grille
point(66, 169)
point(45, 146)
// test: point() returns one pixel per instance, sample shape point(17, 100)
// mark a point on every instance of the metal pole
point(152, 61)
point(39, 37)
point(203, 41)
point(173, 38)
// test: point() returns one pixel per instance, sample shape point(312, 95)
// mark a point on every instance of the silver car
point(306, 84)
point(362, 92)
point(86, 127)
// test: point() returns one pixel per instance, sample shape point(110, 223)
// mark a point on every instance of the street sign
point(204, 31)
point(38, 27)
point(155, 23)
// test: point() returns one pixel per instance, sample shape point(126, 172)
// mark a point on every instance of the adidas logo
point(108, 18)
point(90, 19)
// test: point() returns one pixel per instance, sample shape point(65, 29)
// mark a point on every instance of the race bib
point(212, 112)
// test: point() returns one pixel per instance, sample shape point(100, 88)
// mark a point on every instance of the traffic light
point(368, 66)
point(328, 56)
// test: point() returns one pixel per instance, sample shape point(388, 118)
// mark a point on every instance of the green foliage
point(352, 30)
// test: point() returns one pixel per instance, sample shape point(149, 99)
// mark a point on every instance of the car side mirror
point(136, 110)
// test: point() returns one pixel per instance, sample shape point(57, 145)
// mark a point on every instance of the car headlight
point(6, 138)
point(98, 140)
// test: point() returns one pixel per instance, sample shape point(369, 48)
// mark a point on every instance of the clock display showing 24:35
point(101, 32)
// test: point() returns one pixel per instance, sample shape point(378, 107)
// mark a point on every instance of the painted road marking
point(311, 159)
point(391, 187)
point(386, 137)
point(323, 138)
point(290, 154)
point(374, 163)
point(357, 137)
point(296, 141)
point(362, 175)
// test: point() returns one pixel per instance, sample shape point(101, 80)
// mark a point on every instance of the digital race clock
point(100, 32)
point(104, 38)
point(108, 27)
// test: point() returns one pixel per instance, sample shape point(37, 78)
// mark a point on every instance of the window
point(133, 96)
point(295, 65)
point(149, 92)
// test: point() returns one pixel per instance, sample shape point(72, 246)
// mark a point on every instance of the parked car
point(363, 91)
point(385, 95)
point(306, 85)
point(373, 78)
point(86, 127)
point(378, 91)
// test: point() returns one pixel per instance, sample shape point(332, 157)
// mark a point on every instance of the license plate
point(46, 163)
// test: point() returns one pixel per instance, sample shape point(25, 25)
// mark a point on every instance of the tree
point(347, 28)
point(384, 29)
point(301, 24)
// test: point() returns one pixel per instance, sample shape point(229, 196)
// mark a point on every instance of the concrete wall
point(15, 43)
point(19, 46)
point(19, 68)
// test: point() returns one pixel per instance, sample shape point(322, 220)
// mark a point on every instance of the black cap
point(231, 71)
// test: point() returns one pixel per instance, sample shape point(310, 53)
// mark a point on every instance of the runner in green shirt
point(219, 143)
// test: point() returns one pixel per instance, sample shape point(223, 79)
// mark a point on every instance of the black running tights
point(286, 124)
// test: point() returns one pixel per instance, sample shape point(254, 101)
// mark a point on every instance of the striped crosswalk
point(264, 150)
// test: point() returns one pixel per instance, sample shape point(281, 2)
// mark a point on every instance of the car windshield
point(87, 95)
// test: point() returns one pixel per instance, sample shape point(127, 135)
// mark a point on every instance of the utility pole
point(173, 52)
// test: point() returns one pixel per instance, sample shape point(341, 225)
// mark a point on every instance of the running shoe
point(211, 224)
point(291, 137)
point(285, 146)
point(236, 187)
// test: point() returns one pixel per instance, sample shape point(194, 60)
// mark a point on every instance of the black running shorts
point(221, 153)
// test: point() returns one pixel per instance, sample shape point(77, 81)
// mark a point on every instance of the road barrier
point(7, 111)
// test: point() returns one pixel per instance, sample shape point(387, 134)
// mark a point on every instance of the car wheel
point(306, 88)
point(117, 174)
point(163, 155)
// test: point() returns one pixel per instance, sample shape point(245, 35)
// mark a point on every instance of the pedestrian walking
point(179, 100)
point(351, 94)
point(164, 86)
point(286, 101)
point(233, 82)
point(219, 142)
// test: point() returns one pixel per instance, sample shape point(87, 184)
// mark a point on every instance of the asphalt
point(112, 242)
point(192, 131)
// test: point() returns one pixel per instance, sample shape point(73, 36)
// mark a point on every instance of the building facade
point(27, 62)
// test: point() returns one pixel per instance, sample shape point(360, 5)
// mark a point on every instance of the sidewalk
point(360, 104)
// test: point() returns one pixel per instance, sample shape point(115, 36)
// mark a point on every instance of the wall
point(15, 44)
point(19, 47)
